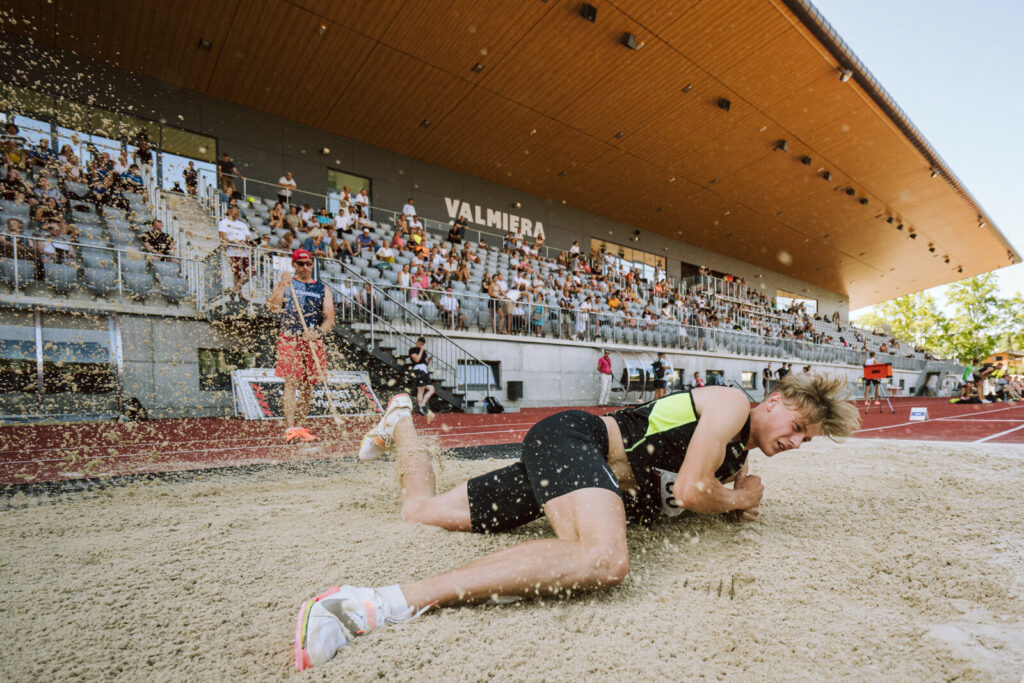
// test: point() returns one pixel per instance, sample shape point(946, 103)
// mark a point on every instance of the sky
point(957, 69)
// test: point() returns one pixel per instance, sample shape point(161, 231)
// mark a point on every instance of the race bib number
point(669, 506)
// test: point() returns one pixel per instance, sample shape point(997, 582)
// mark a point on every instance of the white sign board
point(258, 394)
point(918, 414)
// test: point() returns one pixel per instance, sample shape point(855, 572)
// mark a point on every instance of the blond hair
point(820, 398)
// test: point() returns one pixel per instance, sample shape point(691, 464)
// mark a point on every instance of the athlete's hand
point(286, 279)
point(753, 487)
point(311, 334)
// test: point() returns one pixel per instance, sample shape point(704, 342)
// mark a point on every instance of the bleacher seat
point(25, 272)
point(133, 262)
point(101, 281)
point(92, 259)
point(76, 190)
point(79, 217)
point(62, 277)
point(138, 284)
point(93, 231)
point(14, 209)
point(174, 289)
point(162, 268)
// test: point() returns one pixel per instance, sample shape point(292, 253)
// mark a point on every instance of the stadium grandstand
point(519, 212)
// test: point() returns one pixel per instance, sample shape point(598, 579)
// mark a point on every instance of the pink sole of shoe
point(302, 661)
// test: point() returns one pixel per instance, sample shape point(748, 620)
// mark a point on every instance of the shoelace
point(407, 615)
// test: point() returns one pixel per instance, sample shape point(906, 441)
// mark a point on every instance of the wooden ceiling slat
point(461, 35)
point(651, 14)
point(369, 18)
point(718, 34)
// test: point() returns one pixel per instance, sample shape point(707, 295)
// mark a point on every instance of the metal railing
point(215, 199)
point(387, 321)
point(25, 250)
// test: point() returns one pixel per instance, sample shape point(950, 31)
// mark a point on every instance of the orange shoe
point(291, 435)
point(304, 434)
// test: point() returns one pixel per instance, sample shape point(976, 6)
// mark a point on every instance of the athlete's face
point(783, 427)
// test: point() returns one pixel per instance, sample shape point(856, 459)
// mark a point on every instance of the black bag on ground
point(492, 405)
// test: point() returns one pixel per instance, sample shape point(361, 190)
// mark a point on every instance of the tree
point(973, 330)
point(972, 322)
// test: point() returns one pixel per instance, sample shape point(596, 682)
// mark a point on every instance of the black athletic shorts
point(869, 382)
point(561, 454)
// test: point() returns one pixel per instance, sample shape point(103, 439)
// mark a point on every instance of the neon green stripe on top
point(668, 413)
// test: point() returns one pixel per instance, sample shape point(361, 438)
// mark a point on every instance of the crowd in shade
point(527, 288)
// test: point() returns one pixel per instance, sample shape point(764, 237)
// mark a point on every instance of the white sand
point(873, 559)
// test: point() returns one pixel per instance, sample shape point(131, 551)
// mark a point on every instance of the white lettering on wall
point(492, 218)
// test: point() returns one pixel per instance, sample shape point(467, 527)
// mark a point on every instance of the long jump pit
point(872, 559)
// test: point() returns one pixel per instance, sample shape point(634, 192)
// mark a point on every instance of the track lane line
point(996, 436)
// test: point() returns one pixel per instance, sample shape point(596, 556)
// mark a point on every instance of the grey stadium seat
point(101, 281)
point(163, 268)
point(25, 272)
point(133, 263)
point(138, 285)
point(62, 277)
point(92, 259)
point(174, 289)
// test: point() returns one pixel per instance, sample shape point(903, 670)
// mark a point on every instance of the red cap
point(299, 254)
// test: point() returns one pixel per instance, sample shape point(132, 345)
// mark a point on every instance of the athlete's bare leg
point(590, 552)
point(420, 502)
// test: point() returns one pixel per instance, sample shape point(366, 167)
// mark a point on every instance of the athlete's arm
point(723, 412)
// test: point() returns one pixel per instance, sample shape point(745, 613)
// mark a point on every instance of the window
point(626, 259)
point(478, 375)
point(215, 366)
point(18, 357)
point(786, 299)
point(748, 379)
point(76, 355)
point(715, 378)
point(337, 181)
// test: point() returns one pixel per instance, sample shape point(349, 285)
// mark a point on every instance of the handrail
point(740, 387)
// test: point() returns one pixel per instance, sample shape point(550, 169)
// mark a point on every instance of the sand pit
point(872, 559)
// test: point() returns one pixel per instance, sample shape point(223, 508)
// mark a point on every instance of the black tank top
point(656, 436)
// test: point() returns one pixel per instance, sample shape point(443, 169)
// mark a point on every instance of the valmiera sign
point(492, 218)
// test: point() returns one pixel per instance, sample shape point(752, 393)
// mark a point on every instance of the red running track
point(36, 453)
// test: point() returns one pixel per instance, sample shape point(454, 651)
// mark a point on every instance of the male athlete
point(301, 355)
point(588, 475)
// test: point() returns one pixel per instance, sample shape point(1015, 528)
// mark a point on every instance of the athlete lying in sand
point(588, 475)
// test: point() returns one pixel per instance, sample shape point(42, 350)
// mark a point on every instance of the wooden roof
point(639, 133)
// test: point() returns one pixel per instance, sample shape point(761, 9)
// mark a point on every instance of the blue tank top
point(311, 299)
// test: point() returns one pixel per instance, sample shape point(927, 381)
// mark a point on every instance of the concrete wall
point(556, 373)
point(265, 146)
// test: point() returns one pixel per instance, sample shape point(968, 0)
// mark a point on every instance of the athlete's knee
point(608, 563)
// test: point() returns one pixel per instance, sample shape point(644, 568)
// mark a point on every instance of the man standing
point(660, 368)
point(286, 184)
point(409, 210)
point(226, 170)
point(766, 379)
point(362, 202)
point(301, 355)
point(604, 369)
point(868, 383)
point(421, 373)
point(235, 234)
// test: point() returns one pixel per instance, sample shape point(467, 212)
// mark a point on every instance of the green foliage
point(973, 321)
